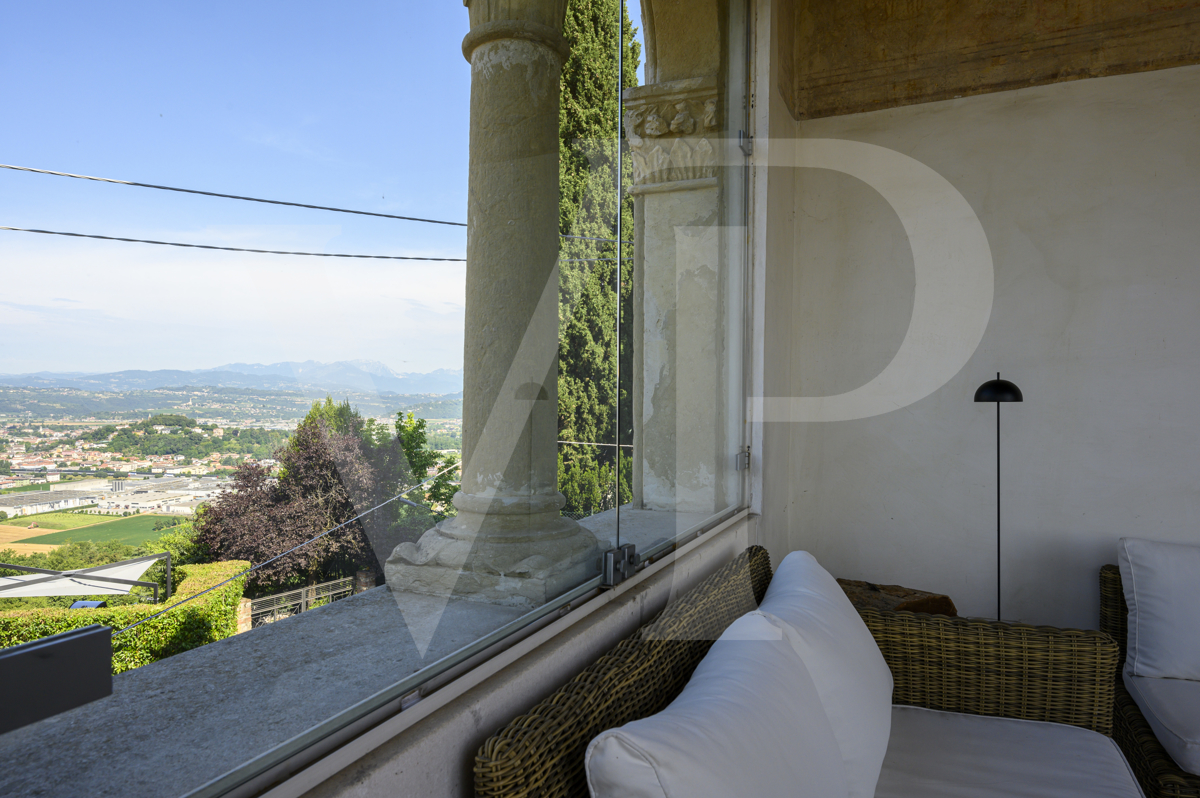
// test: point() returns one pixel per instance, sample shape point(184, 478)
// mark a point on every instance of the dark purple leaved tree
point(324, 479)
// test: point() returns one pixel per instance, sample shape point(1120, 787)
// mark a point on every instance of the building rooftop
point(43, 497)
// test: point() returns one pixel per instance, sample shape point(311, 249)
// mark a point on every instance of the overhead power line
point(255, 199)
point(589, 238)
point(226, 196)
point(229, 249)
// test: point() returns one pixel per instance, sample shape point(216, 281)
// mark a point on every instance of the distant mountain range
point(367, 376)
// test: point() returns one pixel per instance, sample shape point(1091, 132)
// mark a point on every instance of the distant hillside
point(356, 375)
point(233, 404)
point(445, 408)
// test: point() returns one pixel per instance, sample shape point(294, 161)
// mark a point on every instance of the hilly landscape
point(362, 376)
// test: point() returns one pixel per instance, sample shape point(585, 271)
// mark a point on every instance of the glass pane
point(377, 436)
point(591, 402)
point(687, 183)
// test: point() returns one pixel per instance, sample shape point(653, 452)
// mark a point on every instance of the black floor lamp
point(998, 391)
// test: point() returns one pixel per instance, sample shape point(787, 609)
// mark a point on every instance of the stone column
point(508, 544)
point(683, 454)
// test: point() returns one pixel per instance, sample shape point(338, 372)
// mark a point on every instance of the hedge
point(203, 620)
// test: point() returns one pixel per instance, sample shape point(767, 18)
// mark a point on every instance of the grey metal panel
point(48, 676)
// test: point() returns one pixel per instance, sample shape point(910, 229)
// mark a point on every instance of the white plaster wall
point(1089, 193)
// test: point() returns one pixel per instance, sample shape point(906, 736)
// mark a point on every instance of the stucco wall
point(1089, 194)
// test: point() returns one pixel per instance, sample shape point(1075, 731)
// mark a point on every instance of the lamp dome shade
point(998, 390)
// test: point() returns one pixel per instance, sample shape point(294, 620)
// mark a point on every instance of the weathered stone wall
point(847, 56)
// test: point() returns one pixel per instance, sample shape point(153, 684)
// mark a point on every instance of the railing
point(269, 609)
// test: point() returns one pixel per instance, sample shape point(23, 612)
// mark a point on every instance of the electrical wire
point(397, 497)
point(254, 199)
point(228, 249)
point(589, 238)
point(225, 196)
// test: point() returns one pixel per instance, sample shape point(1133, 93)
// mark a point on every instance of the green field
point(131, 531)
point(58, 520)
point(26, 488)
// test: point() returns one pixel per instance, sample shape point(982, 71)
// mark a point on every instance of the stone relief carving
point(655, 126)
point(664, 151)
point(683, 121)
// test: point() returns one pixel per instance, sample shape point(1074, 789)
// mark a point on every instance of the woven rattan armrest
point(540, 754)
point(1006, 670)
point(1113, 612)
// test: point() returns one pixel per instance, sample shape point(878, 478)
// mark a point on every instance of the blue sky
point(361, 105)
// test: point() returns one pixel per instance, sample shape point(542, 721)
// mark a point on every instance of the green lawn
point(132, 531)
point(26, 488)
point(58, 520)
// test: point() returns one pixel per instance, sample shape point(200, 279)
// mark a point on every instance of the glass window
point(385, 347)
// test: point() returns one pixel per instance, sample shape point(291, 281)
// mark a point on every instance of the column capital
point(539, 21)
point(671, 129)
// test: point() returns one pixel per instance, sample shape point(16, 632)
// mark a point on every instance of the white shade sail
point(76, 583)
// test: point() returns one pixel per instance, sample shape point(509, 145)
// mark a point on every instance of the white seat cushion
point(1172, 708)
point(749, 722)
point(852, 678)
point(1159, 582)
point(949, 755)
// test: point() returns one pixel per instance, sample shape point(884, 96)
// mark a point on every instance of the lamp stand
point(998, 391)
point(997, 506)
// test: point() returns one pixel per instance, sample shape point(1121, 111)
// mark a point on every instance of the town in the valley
point(166, 463)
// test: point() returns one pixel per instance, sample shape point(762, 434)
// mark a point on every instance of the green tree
point(424, 462)
point(589, 344)
point(181, 542)
point(337, 469)
point(340, 416)
point(6, 467)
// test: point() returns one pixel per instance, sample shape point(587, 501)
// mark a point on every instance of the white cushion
point(1159, 580)
point(948, 755)
point(1172, 708)
point(851, 676)
point(749, 722)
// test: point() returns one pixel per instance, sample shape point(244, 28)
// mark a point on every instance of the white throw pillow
point(851, 676)
point(749, 722)
point(1159, 581)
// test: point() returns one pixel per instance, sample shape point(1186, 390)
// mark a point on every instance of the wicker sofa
point(952, 664)
point(1160, 777)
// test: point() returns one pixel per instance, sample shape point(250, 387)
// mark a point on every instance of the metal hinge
point(742, 461)
point(745, 143)
point(618, 565)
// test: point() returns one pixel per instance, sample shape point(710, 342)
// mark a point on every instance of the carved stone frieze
point(671, 128)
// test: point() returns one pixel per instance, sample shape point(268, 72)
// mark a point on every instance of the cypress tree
point(589, 140)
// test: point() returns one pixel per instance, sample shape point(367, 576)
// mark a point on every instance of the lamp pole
point(998, 558)
point(998, 391)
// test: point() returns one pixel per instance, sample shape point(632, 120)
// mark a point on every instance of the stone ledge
point(171, 726)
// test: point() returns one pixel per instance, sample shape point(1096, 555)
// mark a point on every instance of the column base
point(498, 559)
